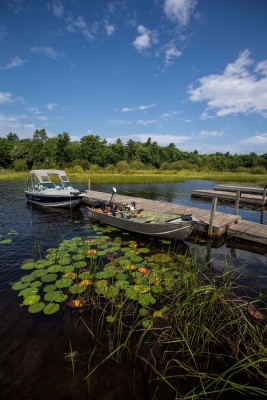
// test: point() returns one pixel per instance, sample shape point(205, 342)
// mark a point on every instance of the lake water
point(34, 348)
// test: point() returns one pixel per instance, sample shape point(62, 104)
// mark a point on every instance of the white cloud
point(171, 54)
point(6, 98)
point(47, 51)
point(169, 114)
point(57, 8)
point(79, 24)
point(128, 109)
point(259, 139)
point(15, 123)
point(121, 122)
point(145, 38)
point(141, 108)
point(239, 89)
point(109, 28)
point(15, 62)
point(211, 133)
point(51, 106)
point(179, 10)
point(146, 121)
point(42, 118)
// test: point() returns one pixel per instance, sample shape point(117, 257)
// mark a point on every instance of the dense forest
point(91, 152)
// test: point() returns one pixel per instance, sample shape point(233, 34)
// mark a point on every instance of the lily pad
point(20, 285)
point(49, 278)
point(49, 288)
point(37, 307)
point(29, 300)
point(68, 268)
point(55, 268)
point(80, 264)
point(78, 288)
point(51, 308)
point(38, 273)
point(55, 296)
point(28, 266)
point(5, 241)
point(85, 275)
point(64, 283)
point(28, 291)
point(36, 284)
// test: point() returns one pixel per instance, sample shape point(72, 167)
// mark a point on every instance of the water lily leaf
point(51, 308)
point(49, 278)
point(143, 312)
point(78, 256)
point(78, 288)
point(71, 275)
point(68, 268)
point(55, 268)
point(121, 276)
point(64, 283)
point(56, 296)
point(147, 323)
point(31, 299)
point(28, 266)
point(27, 278)
point(38, 273)
point(37, 307)
point(85, 275)
point(110, 318)
point(28, 291)
point(5, 241)
point(144, 250)
point(64, 261)
point(36, 284)
point(20, 285)
point(80, 264)
point(146, 299)
point(43, 263)
point(122, 284)
point(49, 288)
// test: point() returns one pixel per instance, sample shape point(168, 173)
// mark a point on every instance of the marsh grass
point(148, 176)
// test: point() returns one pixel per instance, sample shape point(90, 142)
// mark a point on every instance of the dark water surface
point(34, 361)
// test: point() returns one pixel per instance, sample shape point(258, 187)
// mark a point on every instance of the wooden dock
point(220, 223)
point(231, 195)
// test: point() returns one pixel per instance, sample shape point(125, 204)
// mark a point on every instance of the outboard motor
point(100, 204)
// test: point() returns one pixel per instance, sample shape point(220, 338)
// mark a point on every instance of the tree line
point(93, 152)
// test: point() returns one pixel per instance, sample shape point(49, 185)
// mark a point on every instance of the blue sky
point(188, 72)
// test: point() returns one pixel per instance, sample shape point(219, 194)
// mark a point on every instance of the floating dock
point(221, 222)
point(241, 194)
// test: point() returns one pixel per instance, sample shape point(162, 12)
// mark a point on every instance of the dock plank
point(243, 189)
point(250, 231)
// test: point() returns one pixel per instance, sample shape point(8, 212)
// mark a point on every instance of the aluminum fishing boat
point(158, 224)
point(52, 188)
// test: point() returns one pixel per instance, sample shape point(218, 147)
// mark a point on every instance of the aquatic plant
point(194, 335)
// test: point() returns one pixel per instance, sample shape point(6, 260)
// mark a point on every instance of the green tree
point(94, 150)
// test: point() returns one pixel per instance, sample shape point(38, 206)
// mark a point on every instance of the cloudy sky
point(189, 72)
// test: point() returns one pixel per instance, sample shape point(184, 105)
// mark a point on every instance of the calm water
point(34, 347)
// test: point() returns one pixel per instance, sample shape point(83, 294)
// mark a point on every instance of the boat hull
point(178, 231)
point(62, 201)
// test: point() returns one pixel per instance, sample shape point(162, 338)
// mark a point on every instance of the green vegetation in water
point(194, 336)
point(149, 176)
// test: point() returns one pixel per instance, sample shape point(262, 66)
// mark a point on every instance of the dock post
point(237, 200)
point(212, 215)
point(264, 195)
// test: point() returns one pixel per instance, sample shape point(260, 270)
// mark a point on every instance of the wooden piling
point(237, 200)
point(212, 215)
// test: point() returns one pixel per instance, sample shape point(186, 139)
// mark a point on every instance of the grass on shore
point(149, 176)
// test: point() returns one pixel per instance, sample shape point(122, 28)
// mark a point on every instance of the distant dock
point(213, 223)
point(241, 194)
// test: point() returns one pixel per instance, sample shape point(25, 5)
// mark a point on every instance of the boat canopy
point(43, 175)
